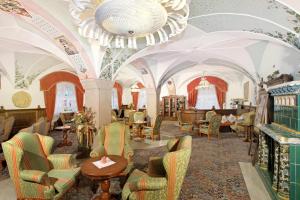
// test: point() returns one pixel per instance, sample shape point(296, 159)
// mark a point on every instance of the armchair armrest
point(97, 152)
point(62, 161)
point(35, 176)
point(148, 183)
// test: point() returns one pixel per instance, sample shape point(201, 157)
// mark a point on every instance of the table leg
point(105, 184)
point(65, 141)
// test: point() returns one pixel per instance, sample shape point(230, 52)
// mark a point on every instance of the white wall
point(7, 90)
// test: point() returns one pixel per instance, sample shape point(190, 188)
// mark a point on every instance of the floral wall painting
point(112, 61)
point(69, 48)
point(21, 80)
point(246, 90)
point(14, 7)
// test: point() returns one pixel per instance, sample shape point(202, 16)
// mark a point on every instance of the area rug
point(213, 174)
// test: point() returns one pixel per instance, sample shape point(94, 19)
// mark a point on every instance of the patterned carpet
point(214, 172)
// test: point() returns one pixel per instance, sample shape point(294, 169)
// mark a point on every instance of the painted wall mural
point(112, 61)
point(14, 7)
point(68, 47)
point(21, 80)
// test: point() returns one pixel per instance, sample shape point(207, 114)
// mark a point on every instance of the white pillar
point(152, 104)
point(98, 97)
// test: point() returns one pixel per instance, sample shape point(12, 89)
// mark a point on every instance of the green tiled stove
point(279, 144)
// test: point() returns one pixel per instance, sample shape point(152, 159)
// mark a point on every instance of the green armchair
point(166, 184)
point(113, 139)
point(213, 128)
point(244, 124)
point(153, 132)
point(184, 126)
point(35, 172)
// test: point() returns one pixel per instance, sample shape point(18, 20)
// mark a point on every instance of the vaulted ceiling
point(248, 38)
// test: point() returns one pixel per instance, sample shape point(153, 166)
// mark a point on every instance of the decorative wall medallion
point(21, 99)
point(14, 7)
point(69, 48)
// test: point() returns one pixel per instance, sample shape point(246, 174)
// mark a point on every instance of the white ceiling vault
point(231, 39)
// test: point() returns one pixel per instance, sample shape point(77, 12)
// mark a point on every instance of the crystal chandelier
point(129, 23)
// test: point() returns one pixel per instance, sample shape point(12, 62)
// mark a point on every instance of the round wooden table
point(89, 170)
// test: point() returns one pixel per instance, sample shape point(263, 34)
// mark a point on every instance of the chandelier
point(203, 83)
point(129, 23)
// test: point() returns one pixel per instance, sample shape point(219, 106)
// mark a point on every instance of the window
point(207, 98)
point(114, 99)
point(142, 100)
point(65, 100)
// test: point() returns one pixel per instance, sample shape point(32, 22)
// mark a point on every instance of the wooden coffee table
point(104, 175)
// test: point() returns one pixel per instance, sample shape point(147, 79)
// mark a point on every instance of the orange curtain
point(135, 95)
point(49, 97)
point(192, 92)
point(119, 92)
point(79, 98)
point(221, 89)
point(135, 99)
point(48, 85)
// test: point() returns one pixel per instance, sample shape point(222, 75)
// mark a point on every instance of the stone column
point(98, 96)
point(152, 104)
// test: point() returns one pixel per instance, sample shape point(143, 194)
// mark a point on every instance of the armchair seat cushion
point(63, 179)
point(204, 130)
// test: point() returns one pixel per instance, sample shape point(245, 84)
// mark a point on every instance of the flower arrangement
point(85, 127)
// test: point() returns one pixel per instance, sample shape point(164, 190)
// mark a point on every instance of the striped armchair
point(167, 184)
point(35, 172)
point(113, 139)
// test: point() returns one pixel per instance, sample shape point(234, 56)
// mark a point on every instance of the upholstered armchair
point(213, 128)
point(130, 117)
point(113, 139)
point(153, 132)
point(245, 124)
point(208, 116)
point(166, 184)
point(184, 126)
point(42, 126)
point(7, 128)
point(35, 172)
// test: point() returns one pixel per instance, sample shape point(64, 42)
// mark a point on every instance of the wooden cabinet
point(172, 104)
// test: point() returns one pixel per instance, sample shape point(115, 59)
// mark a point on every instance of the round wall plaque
point(21, 99)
